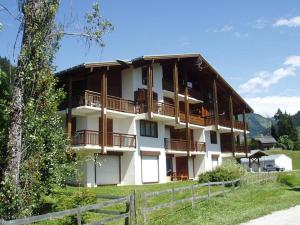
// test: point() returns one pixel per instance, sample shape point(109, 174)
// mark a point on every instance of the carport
point(254, 158)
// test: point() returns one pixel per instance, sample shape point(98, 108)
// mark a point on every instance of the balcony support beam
point(231, 126)
point(245, 133)
point(187, 109)
point(215, 100)
point(150, 91)
point(69, 115)
point(175, 88)
point(103, 136)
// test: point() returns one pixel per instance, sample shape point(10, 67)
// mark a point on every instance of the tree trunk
point(15, 129)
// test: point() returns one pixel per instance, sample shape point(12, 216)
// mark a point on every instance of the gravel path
point(289, 216)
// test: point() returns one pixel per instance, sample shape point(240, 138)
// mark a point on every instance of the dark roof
point(266, 140)
point(257, 154)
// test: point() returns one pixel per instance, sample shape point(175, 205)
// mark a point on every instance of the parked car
point(271, 167)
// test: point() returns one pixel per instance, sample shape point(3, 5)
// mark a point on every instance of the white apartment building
point(152, 119)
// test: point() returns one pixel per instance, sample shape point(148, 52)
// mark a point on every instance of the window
point(213, 137)
point(148, 129)
point(144, 75)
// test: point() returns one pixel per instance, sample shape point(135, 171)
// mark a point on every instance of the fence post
point(232, 185)
point(193, 197)
point(223, 188)
point(132, 209)
point(78, 215)
point(144, 210)
point(208, 190)
point(173, 197)
point(127, 203)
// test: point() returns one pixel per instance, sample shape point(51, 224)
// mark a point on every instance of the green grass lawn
point(244, 204)
point(239, 206)
point(294, 155)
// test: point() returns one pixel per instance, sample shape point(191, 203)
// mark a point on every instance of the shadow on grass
point(294, 189)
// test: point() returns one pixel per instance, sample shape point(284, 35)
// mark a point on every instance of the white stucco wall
point(212, 149)
point(87, 123)
point(128, 84)
point(128, 164)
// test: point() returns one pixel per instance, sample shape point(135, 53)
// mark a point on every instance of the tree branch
point(4, 8)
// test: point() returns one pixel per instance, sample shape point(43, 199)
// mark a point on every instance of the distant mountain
point(259, 125)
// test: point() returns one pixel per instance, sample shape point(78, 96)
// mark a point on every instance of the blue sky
point(253, 44)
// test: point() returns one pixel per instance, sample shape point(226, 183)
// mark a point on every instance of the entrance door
point(182, 166)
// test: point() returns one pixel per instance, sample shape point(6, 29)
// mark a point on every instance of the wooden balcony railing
point(181, 145)
point(209, 120)
point(90, 98)
point(238, 149)
point(194, 119)
point(199, 146)
point(223, 121)
point(165, 109)
point(90, 137)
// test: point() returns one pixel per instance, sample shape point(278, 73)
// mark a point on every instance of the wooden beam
point(245, 133)
point(69, 115)
point(175, 85)
point(149, 90)
point(232, 125)
point(103, 111)
point(187, 113)
point(215, 99)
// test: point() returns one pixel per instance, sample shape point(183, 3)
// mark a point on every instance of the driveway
point(289, 216)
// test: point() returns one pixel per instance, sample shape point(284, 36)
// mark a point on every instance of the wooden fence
point(146, 210)
point(129, 215)
point(258, 178)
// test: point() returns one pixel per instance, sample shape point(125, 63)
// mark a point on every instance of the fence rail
point(129, 215)
point(146, 210)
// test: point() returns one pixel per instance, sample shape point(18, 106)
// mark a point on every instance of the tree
point(5, 92)
point(37, 144)
point(284, 126)
point(285, 142)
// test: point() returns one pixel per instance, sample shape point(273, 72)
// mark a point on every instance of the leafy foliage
point(226, 172)
point(83, 197)
point(288, 179)
point(285, 142)
point(5, 93)
point(35, 158)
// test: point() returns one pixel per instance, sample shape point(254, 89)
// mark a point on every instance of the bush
point(288, 179)
point(226, 172)
point(84, 197)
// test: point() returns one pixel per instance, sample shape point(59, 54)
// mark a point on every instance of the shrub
point(226, 172)
point(288, 179)
point(83, 197)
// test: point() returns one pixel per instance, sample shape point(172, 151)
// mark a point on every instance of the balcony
point(181, 145)
point(90, 98)
point(238, 149)
point(194, 119)
point(90, 137)
point(225, 122)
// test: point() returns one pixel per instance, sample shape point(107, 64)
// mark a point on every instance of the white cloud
point(264, 79)
point(260, 24)
point(225, 28)
point(291, 22)
point(267, 106)
point(293, 61)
